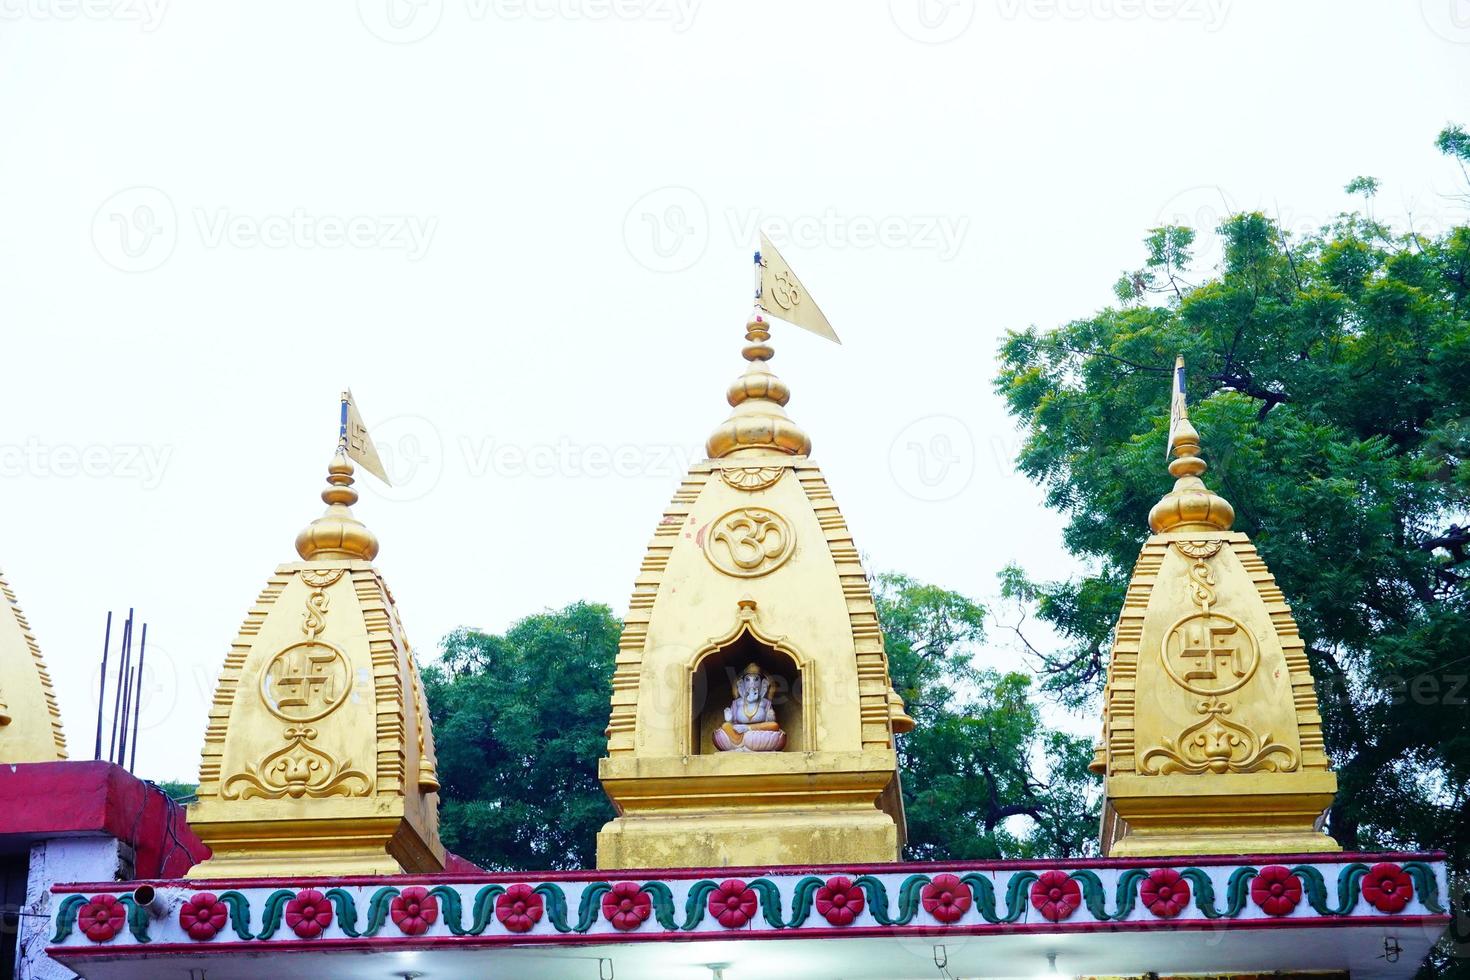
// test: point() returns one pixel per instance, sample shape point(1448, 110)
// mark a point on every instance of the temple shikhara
point(751, 761)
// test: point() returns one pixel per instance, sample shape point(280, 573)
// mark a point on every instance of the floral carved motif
point(297, 769)
point(751, 478)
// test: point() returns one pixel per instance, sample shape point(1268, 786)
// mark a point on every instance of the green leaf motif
point(663, 903)
point(485, 907)
point(239, 913)
point(801, 899)
point(877, 895)
point(555, 901)
point(770, 901)
point(1016, 894)
point(346, 911)
point(1092, 893)
point(137, 918)
point(66, 914)
point(453, 910)
point(591, 904)
point(1127, 899)
point(909, 894)
point(694, 906)
point(1425, 885)
point(275, 908)
point(379, 908)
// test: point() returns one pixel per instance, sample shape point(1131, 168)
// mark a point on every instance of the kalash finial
point(759, 422)
point(337, 533)
point(1190, 506)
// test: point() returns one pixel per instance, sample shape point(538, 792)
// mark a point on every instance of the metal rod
point(122, 748)
point(102, 691)
point(117, 695)
point(138, 698)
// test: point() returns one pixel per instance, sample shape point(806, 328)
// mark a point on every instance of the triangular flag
point(356, 442)
point(782, 295)
point(1178, 407)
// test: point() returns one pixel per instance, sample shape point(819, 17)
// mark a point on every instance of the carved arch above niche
point(707, 687)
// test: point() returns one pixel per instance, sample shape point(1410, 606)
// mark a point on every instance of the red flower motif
point(733, 903)
point(520, 908)
point(626, 906)
point(414, 910)
point(1055, 895)
point(1165, 893)
point(308, 913)
point(1388, 887)
point(946, 898)
point(101, 918)
point(1276, 890)
point(202, 916)
point(840, 901)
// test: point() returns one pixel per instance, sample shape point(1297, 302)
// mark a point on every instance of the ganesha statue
point(750, 721)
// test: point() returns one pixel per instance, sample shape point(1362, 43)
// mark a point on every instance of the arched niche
point(712, 675)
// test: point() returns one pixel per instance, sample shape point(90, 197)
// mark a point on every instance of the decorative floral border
point(765, 904)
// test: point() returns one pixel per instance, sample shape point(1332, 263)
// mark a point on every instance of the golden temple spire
point(30, 722)
point(337, 533)
point(319, 755)
point(759, 423)
point(1190, 505)
point(1212, 743)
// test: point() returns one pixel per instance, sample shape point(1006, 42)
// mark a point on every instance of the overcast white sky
point(519, 230)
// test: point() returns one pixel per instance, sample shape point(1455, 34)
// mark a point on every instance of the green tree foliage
point(979, 753)
point(1330, 380)
point(518, 725)
point(519, 718)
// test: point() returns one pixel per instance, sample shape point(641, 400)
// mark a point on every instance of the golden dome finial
point(337, 534)
point(1191, 505)
point(759, 423)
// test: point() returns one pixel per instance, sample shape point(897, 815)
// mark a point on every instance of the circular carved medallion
point(1210, 653)
point(305, 681)
point(749, 542)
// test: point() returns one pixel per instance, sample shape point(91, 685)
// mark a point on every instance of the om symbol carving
point(305, 681)
point(785, 290)
point(749, 542)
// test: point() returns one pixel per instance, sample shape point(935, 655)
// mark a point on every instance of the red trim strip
point(63, 953)
point(1201, 861)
